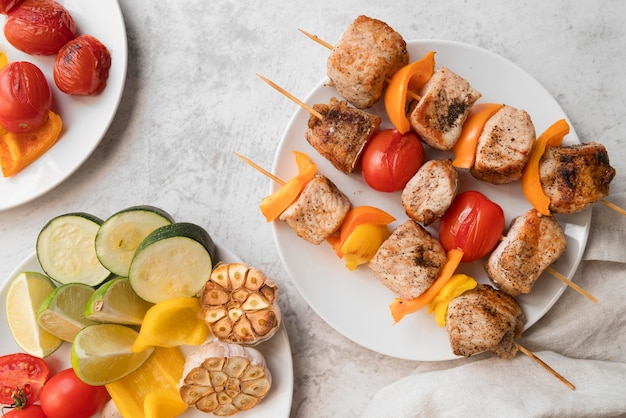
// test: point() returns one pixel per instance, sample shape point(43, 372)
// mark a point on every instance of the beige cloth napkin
point(584, 341)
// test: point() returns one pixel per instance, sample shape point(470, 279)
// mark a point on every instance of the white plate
point(85, 119)
point(355, 303)
point(276, 350)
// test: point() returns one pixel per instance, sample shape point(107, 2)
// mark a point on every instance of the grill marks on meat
point(504, 146)
point(484, 319)
point(575, 177)
point(409, 261)
point(318, 212)
point(532, 243)
point(367, 54)
point(439, 115)
point(342, 133)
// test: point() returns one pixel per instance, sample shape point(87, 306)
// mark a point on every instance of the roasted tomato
point(25, 97)
point(7, 5)
point(82, 66)
point(390, 159)
point(39, 27)
point(22, 375)
point(66, 396)
point(472, 223)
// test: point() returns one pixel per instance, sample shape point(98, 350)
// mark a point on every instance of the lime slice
point(24, 296)
point(62, 313)
point(116, 302)
point(101, 353)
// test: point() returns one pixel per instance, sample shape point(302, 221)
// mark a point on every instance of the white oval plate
point(85, 119)
point(355, 303)
point(276, 350)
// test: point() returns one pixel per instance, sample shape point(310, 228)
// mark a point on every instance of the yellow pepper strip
point(411, 77)
point(362, 244)
point(3, 59)
point(163, 403)
point(465, 147)
point(400, 307)
point(531, 182)
point(456, 286)
point(358, 215)
point(276, 203)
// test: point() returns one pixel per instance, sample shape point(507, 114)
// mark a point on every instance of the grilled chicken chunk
point(430, 191)
point(504, 146)
point(319, 211)
point(575, 177)
point(409, 261)
point(484, 319)
point(439, 115)
point(368, 53)
point(342, 134)
point(533, 242)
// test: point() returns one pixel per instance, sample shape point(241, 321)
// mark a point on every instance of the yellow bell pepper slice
point(456, 286)
point(362, 244)
point(3, 59)
point(465, 147)
point(358, 215)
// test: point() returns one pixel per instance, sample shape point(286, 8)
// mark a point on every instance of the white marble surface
point(192, 98)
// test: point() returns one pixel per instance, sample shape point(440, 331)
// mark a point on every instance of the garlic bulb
point(224, 378)
point(240, 305)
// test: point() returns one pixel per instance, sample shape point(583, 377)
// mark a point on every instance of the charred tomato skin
point(82, 66)
point(23, 371)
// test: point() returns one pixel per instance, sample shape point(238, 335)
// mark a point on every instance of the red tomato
point(390, 159)
point(6, 5)
point(472, 223)
point(25, 97)
point(66, 396)
point(82, 66)
point(39, 27)
point(23, 371)
point(31, 411)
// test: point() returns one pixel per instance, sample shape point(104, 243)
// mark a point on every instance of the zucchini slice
point(66, 250)
point(174, 260)
point(120, 235)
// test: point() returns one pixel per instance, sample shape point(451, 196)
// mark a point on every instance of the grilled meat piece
point(430, 191)
point(575, 177)
point(318, 212)
point(409, 261)
point(368, 53)
point(484, 319)
point(342, 134)
point(439, 115)
point(533, 242)
point(504, 146)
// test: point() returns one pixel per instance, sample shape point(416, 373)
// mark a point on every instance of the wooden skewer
point(550, 369)
point(292, 97)
point(613, 206)
point(571, 284)
point(259, 168)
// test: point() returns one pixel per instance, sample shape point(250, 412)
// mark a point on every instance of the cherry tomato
point(39, 27)
point(472, 223)
point(82, 66)
point(31, 411)
point(25, 97)
point(6, 5)
point(24, 372)
point(390, 159)
point(66, 396)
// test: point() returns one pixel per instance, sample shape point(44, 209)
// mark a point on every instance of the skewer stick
point(292, 97)
point(613, 206)
point(259, 168)
point(548, 368)
point(572, 284)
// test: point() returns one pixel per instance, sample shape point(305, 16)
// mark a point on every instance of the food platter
point(85, 119)
point(353, 302)
point(276, 350)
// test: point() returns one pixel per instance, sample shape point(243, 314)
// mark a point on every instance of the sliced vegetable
point(456, 286)
point(276, 203)
point(531, 182)
point(400, 307)
point(115, 301)
point(465, 147)
point(3, 60)
point(359, 215)
point(362, 244)
point(22, 376)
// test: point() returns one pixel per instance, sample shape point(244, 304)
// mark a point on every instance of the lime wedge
point(62, 313)
point(101, 353)
point(24, 296)
point(116, 302)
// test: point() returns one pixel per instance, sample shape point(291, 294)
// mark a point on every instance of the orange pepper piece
point(358, 215)
point(411, 77)
point(465, 147)
point(18, 150)
point(276, 203)
point(531, 183)
point(400, 307)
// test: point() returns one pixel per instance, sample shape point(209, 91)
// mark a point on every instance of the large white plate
point(85, 119)
point(355, 303)
point(276, 350)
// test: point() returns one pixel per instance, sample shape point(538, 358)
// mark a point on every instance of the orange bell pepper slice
point(465, 147)
point(411, 77)
point(400, 307)
point(359, 215)
point(18, 150)
point(276, 203)
point(531, 182)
